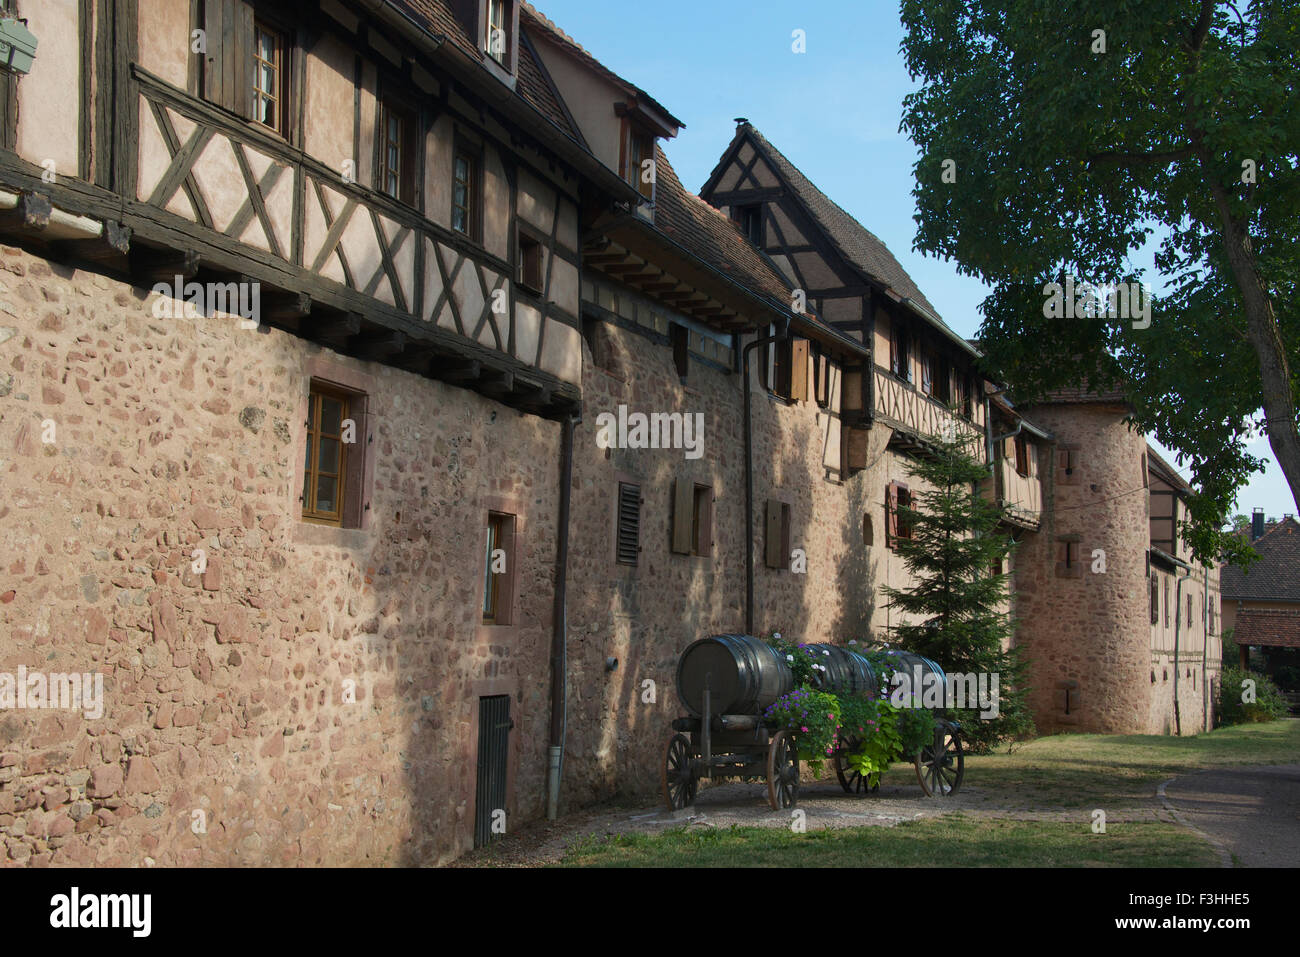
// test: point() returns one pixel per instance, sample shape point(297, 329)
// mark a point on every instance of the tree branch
point(1126, 158)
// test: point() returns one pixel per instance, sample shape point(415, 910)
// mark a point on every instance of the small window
point(325, 468)
point(1022, 455)
point(750, 220)
point(868, 530)
point(1189, 610)
point(530, 263)
point(904, 523)
point(942, 380)
point(498, 571)
point(897, 496)
point(1067, 465)
point(465, 194)
point(926, 364)
point(680, 338)
point(821, 377)
point(1155, 600)
point(628, 544)
point(640, 158)
point(397, 153)
point(268, 76)
point(777, 536)
point(899, 359)
point(1067, 558)
point(702, 521)
point(496, 35)
point(1166, 602)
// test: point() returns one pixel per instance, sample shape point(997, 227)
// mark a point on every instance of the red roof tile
point(1273, 627)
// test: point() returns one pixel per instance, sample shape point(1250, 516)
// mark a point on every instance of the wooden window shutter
point(629, 523)
point(683, 513)
point(799, 370)
point(893, 352)
point(228, 70)
point(891, 514)
point(774, 556)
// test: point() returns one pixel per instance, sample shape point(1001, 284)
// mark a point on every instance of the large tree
point(1078, 134)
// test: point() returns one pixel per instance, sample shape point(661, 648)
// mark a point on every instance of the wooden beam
point(280, 306)
point(335, 330)
point(498, 383)
point(164, 265)
point(113, 243)
point(455, 370)
point(32, 214)
point(383, 347)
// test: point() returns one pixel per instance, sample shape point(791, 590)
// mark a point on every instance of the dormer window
point(750, 221)
point(496, 39)
point(639, 160)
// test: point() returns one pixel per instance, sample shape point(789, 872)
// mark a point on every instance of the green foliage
point(955, 540)
point(1089, 158)
point(1269, 705)
point(802, 663)
point(813, 717)
point(916, 728)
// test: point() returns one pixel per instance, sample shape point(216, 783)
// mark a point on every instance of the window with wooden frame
point(1166, 602)
point(496, 32)
point(639, 159)
point(692, 519)
point(960, 400)
point(1022, 456)
point(530, 262)
point(247, 62)
point(789, 363)
point(925, 363)
point(821, 376)
point(1189, 609)
point(868, 530)
point(627, 545)
point(750, 220)
point(776, 551)
point(466, 193)
point(1155, 599)
point(399, 143)
point(498, 569)
point(897, 496)
point(899, 358)
point(324, 481)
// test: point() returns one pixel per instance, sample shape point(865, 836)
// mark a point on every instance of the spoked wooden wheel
point(782, 771)
point(851, 779)
point(941, 765)
point(679, 780)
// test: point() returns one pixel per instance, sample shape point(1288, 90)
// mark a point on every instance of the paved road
point(1254, 812)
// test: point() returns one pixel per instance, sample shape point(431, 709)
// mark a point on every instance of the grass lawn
point(950, 841)
point(1094, 770)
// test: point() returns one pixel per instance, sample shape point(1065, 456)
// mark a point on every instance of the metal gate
point(493, 748)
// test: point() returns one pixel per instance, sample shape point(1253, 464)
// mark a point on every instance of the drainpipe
point(749, 471)
point(559, 626)
point(1205, 647)
point(1178, 621)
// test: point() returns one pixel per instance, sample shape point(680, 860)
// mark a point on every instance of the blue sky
point(834, 111)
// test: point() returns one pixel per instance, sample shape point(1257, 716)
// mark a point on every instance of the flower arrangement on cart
point(860, 731)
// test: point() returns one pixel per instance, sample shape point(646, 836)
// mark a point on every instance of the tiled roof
point(1276, 576)
point(711, 236)
point(1078, 395)
point(533, 17)
point(856, 243)
point(530, 83)
point(1267, 626)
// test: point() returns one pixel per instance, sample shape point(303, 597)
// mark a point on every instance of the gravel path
point(1253, 812)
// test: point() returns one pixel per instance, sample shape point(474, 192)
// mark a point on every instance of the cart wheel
point(679, 780)
point(941, 765)
point(851, 779)
point(782, 771)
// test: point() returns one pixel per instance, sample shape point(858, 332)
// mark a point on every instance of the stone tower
point(1081, 582)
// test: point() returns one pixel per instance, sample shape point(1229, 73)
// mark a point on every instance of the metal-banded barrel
point(744, 675)
point(847, 672)
point(907, 662)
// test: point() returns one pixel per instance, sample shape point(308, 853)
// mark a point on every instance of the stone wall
point(226, 691)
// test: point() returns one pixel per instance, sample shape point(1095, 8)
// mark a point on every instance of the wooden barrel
point(847, 672)
point(907, 662)
point(744, 675)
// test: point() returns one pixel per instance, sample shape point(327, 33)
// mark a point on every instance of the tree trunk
point(1265, 338)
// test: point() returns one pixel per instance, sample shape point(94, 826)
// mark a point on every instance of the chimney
point(1256, 523)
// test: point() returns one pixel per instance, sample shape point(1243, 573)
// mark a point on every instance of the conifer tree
point(950, 541)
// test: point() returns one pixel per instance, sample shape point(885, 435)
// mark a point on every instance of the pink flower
point(804, 730)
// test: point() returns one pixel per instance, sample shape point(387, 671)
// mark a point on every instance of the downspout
point(1205, 647)
point(1178, 621)
point(749, 471)
point(559, 626)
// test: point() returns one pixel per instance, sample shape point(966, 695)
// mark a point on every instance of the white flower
point(826, 652)
point(790, 658)
point(777, 636)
